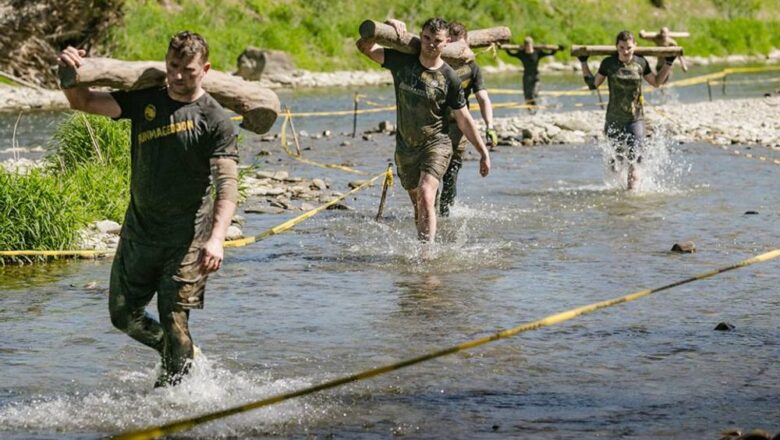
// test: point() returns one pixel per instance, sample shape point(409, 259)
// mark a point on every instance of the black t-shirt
point(172, 144)
point(531, 61)
point(422, 98)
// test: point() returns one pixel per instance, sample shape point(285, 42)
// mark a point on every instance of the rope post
point(294, 133)
point(723, 85)
point(387, 184)
point(709, 90)
point(354, 115)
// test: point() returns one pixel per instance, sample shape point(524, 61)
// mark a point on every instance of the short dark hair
point(187, 44)
point(624, 36)
point(436, 24)
point(458, 31)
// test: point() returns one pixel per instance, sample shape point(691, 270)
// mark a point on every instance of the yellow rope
point(290, 223)
point(285, 146)
point(186, 424)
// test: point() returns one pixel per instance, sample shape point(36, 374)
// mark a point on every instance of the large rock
point(255, 62)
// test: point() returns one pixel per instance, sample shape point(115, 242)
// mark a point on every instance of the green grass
point(38, 211)
point(87, 179)
point(320, 34)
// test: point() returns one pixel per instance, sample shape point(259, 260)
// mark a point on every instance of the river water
point(547, 231)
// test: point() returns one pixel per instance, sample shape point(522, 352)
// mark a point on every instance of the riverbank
point(15, 99)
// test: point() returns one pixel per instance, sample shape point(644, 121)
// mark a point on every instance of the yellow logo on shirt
point(150, 112)
point(165, 130)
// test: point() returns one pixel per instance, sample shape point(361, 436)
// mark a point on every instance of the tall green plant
point(38, 211)
point(89, 139)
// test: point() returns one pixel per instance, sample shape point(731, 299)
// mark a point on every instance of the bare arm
point(468, 128)
point(659, 79)
point(369, 48)
point(586, 74)
point(83, 98)
point(485, 107)
point(225, 175)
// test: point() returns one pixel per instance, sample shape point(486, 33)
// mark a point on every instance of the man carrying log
point(625, 111)
point(471, 82)
point(530, 58)
point(663, 39)
point(425, 87)
point(173, 233)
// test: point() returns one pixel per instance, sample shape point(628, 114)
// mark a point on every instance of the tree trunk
point(577, 51)
point(258, 105)
point(385, 35)
point(488, 36)
point(653, 35)
point(536, 46)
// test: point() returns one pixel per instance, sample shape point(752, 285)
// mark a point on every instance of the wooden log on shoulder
point(386, 36)
point(258, 105)
point(536, 46)
point(653, 35)
point(676, 51)
point(486, 37)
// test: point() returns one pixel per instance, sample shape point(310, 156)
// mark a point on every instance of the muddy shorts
point(139, 270)
point(433, 160)
point(628, 140)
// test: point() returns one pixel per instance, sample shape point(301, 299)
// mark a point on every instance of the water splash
point(130, 403)
point(463, 240)
point(662, 169)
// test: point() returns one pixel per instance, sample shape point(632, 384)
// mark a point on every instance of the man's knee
point(119, 312)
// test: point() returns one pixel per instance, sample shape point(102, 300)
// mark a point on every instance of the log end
point(259, 120)
point(68, 76)
point(368, 29)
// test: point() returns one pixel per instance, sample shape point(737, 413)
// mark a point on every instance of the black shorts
point(627, 139)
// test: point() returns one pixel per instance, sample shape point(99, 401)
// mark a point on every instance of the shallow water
point(547, 231)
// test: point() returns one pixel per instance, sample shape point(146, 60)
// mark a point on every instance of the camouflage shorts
point(433, 160)
point(139, 270)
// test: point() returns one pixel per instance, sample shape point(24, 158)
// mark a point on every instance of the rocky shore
point(736, 121)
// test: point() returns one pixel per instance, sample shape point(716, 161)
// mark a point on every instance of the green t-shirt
point(422, 98)
point(625, 88)
point(172, 143)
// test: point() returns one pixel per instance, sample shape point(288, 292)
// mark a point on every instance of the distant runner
point(662, 39)
point(530, 58)
point(625, 126)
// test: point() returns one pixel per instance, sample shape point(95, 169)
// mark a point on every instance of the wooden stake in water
point(294, 133)
point(385, 186)
point(709, 90)
point(354, 116)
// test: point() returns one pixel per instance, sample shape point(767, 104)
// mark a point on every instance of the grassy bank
point(320, 34)
point(86, 179)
